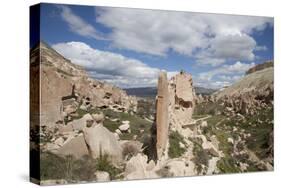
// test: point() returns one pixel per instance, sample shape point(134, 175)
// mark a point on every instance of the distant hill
point(255, 81)
point(152, 91)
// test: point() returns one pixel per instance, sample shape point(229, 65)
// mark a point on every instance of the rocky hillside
point(241, 117)
point(66, 87)
point(261, 66)
point(93, 131)
point(254, 91)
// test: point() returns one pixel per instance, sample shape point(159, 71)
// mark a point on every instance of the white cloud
point(222, 76)
point(108, 66)
point(78, 25)
point(210, 38)
point(233, 47)
point(260, 48)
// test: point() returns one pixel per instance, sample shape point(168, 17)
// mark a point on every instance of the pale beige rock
point(137, 168)
point(102, 176)
point(61, 81)
point(179, 167)
point(79, 124)
point(162, 114)
point(98, 117)
point(182, 100)
point(125, 126)
point(75, 147)
point(204, 124)
point(118, 131)
point(59, 141)
point(102, 142)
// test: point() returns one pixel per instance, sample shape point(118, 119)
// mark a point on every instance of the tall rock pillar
point(162, 115)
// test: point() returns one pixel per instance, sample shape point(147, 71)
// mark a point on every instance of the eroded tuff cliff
point(174, 108)
point(63, 86)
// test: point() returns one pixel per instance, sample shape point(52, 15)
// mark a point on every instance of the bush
point(174, 140)
point(104, 164)
point(227, 165)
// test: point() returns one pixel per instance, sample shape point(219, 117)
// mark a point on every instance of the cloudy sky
point(128, 47)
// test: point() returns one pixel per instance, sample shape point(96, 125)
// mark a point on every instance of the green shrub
point(201, 156)
point(227, 165)
point(104, 164)
point(174, 149)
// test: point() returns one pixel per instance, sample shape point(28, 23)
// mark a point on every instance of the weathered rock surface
point(125, 126)
point(138, 168)
point(162, 121)
point(179, 167)
point(102, 142)
point(79, 124)
point(253, 92)
point(102, 176)
point(75, 147)
point(64, 85)
point(182, 99)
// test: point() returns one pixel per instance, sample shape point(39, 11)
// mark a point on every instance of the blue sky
point(128, 47)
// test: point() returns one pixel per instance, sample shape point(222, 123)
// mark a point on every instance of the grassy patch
point(136, 124)
point(55, 167)
point(201, 156)
point(104, 164)
point(207, 108)
point(227, 165)
point(174, 140)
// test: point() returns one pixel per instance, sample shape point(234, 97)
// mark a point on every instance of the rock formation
point(64, 86)
point(253, 92)
point(162, 121)
point(101, 141)
point(181, 100)
point(174, 107)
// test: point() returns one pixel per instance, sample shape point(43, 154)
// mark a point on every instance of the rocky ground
point(99, 133)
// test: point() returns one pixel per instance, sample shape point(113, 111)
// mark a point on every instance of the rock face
point(182, 100)
point(162, 114)
point(101, 141)
point(64, 85)
point(174, 107)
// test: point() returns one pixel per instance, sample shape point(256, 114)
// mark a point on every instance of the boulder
point(125, 126)
point(65, 129)
point(59, 141)
point(204, 124)
point(102, 142)
point(178, 167)
point(116, 136)
point(130, 147)
point(138, 168)
point(230, 140)
point(79, 124)
point(98, 117)
point(102, 176)
point(118, 131)
point(75, 147)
